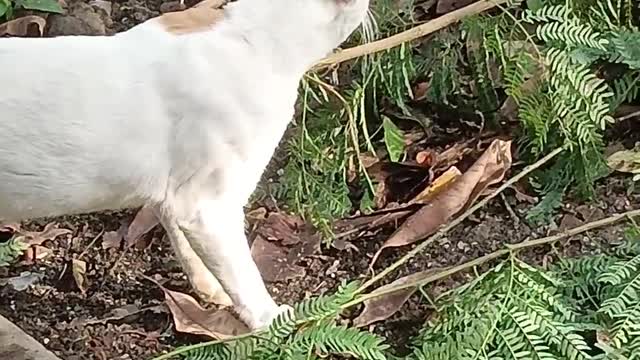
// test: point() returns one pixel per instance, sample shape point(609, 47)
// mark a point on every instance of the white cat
point(182, 113)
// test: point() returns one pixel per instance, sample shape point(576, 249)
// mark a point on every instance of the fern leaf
point(329, 338)
point(548, 13)
point(572, 33)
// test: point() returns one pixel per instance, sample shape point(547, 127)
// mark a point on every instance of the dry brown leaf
point(35, 253)
point(144, 222)
point(272, 261)
point(10, 228)
point(113, 239)
point(282, 227)
point(23, 26)
point(50, 232)
point(79, 271)
point(438, 185)
point(189, 317)
point(447, 6)
point(569, 221)
point(453, 155)
point(487, 170)
point(426, 158)
point(627, 161)
point(382, 307)
point(523, 197)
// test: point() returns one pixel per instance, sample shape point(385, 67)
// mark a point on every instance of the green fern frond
point(11, 250)
point(329, 338)
point(572, 33)
point(620, 271)
point(547, 14)
point(325, 306)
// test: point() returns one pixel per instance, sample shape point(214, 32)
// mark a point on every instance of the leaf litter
point(190, 317)
point(384, 306)
point(489, 169)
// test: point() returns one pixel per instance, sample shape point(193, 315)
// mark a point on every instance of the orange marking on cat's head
point(201, 17)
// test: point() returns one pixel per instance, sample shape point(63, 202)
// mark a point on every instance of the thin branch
point(409, 35)
point(629, 116)
point(497, 254)
point(438, 235)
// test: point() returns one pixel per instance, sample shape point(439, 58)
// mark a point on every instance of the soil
point(120, 315)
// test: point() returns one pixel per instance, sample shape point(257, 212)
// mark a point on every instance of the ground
point(120, 313)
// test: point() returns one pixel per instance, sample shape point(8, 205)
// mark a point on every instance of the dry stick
point(496, 254)
point(438, 235)
point(411, 34)
point(628, 116)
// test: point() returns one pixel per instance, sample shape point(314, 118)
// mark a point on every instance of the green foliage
point(336, 123)
point(317, 338)
point(579, 308)
point(11, 250)
point(7, 7)
point(393, 139)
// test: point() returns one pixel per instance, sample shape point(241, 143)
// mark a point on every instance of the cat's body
point(180, 117)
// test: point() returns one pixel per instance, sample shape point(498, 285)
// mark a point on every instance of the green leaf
point(51, 6)
point(393, 139)
point(4, 7)
point(534, 5)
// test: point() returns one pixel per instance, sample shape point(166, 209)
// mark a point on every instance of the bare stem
point(496, 254)
point(409, 35)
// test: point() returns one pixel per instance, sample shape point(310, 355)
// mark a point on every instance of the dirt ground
point(120, 315)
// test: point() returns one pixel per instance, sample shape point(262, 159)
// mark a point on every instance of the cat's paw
point(262, 319)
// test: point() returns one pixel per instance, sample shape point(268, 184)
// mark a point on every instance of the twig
point(512, 213)
point(628, 116)
point(494, 255)
point(411, 34)
point(91, 244)
point(438, 235)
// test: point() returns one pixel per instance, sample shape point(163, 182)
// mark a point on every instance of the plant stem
point(411, 34)
point(438, 235)
point(496, 254)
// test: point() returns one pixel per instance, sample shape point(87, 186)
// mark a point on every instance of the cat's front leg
point(202, 280)
point(215, 231)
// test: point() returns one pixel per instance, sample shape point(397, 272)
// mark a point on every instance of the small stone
point(172, 6)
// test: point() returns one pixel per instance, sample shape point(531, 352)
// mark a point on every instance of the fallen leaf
point(453, 155)
point(590, 213)
point(272, 261)
point(626, 161)
point(126, 313)
point(50, 232)
point(23, 26)
point(402, 182)
point(190, 317)
point(79, 271)
point(447, 6)
point(487, 170)
point(36, 253)
point(23, 281)
point(426, 158)
point(113, 239)
point(438, 185)
point(144, 222)
point(569, 222)
point(523, 197)
point(257, 214)
point(382, 307)
point(282, 227)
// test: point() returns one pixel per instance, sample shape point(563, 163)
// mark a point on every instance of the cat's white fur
point(185, 123)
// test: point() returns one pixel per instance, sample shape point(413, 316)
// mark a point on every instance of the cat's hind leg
point(202, 280)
